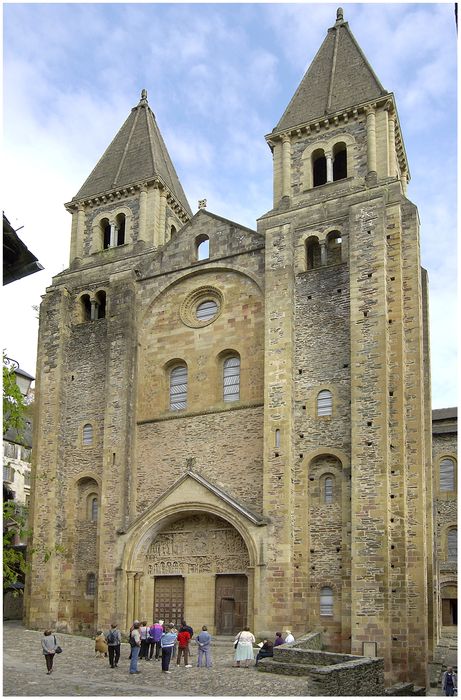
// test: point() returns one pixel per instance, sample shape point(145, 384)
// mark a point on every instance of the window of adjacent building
point(25, 454)
point(91, 584)
point(178, 388)
point(328, 489)
point(452, 544)
point(326, 602)
point(8, 473)
point(339, 161)
point(206, 310)
point(319, 167)
point(324, 403)
point(9, 450)
point(27, 478)
point(231, 377)
point(202, 244)
point(447, 474)
point(88, 434)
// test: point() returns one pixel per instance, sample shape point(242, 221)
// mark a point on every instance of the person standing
point(49, 645)
point(204, 647)
point(143, 631)
point(243, 644)
point(155, 633)
point(135, 643)
point(183, 647)
point(167, 643)
point(449, 682)
point(114, 640)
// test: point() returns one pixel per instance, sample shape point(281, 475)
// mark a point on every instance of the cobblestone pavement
point(77, 672)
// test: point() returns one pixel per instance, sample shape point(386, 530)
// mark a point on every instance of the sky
point(219, 77)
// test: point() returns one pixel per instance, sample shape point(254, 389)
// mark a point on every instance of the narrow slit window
point(91, 584)
point(94, 509)
point(452, 544)
point(324, 403)
point(328, 489)
point(326, 602)
point(447, 475)
point(231, 372)
point(203, 248)
point(88, 434)
point(277, 438)
point(178, 388)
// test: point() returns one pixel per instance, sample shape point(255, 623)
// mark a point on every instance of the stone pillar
point(162, 216)
point(130, 599)
point(277, 164)
point(137, 598)
point(371, 140)
point(142, 213)
point(393, 172)
point(156, 213)
point(329, 159)
point(94, 310)
point(404, 179)
point(286, 166)
point(323, 253)
point(80, 231)
point(113, 236)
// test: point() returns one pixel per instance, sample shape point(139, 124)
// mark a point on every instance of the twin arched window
point(447, 474)
point(329, 168)
point(324, 403)
point(231, 383)
point(113, 234)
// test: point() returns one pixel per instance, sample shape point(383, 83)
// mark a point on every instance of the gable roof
point(339, 77)
point(137, 153)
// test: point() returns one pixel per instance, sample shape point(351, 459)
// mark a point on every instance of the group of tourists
point(243, 645)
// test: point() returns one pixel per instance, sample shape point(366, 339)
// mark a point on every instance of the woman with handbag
point(50, 647)
point(243, 645)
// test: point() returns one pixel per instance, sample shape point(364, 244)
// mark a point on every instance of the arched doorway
point(196, 567)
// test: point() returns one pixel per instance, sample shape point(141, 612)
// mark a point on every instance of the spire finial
point(143, 96)
point(339, 15)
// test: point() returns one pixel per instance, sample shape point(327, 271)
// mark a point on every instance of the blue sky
point(219, 77)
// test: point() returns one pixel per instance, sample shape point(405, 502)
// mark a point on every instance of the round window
point(206, 310)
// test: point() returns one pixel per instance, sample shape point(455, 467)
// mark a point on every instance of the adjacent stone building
point(234, 425)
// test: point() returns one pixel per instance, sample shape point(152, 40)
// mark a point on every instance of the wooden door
point(169, 599)
point(231, 603)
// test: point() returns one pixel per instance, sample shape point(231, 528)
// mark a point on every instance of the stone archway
point(198, 567)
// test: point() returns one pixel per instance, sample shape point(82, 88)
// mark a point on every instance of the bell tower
point(132, 200)
point(347, 396)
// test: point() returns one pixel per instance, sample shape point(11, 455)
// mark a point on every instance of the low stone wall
point(362, 676)
point(313, 640)
point(405, 689)
point(311, 657)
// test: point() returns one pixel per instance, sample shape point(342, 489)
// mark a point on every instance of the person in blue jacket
point(167, 642)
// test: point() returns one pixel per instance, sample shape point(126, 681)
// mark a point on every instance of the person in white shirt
point(289, 637)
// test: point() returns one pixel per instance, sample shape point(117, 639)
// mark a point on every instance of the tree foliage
point(14, 404)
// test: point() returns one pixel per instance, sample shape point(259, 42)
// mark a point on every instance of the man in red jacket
point(183, 646)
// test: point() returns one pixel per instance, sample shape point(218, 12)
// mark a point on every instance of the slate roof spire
point(136, 154)
point(339, 77)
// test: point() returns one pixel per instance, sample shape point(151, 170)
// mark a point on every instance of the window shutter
point(325, 403)
point(231, 372)
point(447, 475)
point(326, 601)
point(178, 388)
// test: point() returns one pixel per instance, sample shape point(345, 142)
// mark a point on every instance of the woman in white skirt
point(244, 648)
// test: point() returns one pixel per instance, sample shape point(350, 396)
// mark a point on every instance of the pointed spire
point(338, 78)
point(136, 154)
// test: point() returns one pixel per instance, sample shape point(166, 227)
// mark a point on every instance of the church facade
point(234, 425)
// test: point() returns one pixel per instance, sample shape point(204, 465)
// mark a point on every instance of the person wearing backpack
point(135, 644)
point(114, 639)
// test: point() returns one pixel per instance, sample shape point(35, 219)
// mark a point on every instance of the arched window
point(334, 243)
point(324, 403)
point(202, 246)
point(231, 379)
point(85, 308)
point(91, 584)
point(88, 434)
point(277, 438)
point(452, 544)
point(172, 231)
point(313, 255)
point(319, 167)
point(328, 489)
point(339, 161)
point(120, 224)
point(105, 229)
point(326, 602)
point(447, 474)
point(100, 304)
point(94, 508)
point(178, 388)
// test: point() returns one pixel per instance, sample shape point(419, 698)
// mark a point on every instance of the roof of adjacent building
point(137, 153)
point(18, 261)
point(445, 420)
point(339, 77)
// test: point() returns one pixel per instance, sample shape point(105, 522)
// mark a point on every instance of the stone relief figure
point(197, 544)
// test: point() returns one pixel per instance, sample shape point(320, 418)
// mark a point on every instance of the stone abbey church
point(234, 425)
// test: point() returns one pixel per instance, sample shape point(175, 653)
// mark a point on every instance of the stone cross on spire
point(339, 16)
